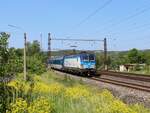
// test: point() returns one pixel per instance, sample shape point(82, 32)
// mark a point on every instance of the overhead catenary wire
point(126, 19)
point(77, 42)
point(65, 39)
point(141, 11)
point(92, 14)
point(17, 27)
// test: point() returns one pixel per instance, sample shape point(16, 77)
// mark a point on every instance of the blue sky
point(124, 22)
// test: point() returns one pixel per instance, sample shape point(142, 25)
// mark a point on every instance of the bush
point(54, 97)
point(35, 65)
point(40, 105)
point(20, 106)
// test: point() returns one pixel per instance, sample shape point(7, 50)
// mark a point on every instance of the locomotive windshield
point(91, 57)
point(85, 57)
point(88, 57)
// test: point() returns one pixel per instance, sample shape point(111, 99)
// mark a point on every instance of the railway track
point(140, 77)
point(128, 89)
point(134, 81)
point(129, 80)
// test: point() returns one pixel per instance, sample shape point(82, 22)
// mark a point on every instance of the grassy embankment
point(50, 93)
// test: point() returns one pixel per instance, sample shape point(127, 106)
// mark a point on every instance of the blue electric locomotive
point(83, 63)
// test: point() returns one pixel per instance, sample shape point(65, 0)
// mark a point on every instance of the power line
point(137, 28)
point(138, 13)
point(64, 39)
point(129, 17)
point(15, 27)
point(94, 12)
point(77, 41)
point(141, 11)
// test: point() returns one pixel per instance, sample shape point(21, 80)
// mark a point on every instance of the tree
point(4, 54)
point(16, 59)
point(135, 56)
point(10, 64)
point(35, 58)
point(19, 52)
point(99, 60)
point(35, 65)
point(33, 48)
point(146, 55)
point(6, 69)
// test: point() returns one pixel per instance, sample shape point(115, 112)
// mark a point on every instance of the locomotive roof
point(80, 54)
point(61, 57)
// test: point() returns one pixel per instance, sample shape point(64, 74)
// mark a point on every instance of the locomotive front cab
point(88, 61)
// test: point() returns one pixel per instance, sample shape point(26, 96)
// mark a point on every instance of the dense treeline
point(11, 63)
point(133, 56)
point(11, 59)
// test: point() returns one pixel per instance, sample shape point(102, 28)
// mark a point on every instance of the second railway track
point(129, 80)
point(135, 81)
point(122, 85)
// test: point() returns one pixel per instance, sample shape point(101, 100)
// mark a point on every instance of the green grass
point(57, 94)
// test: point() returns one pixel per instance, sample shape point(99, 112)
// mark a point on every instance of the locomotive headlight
point(92, 66)
point(82, 66)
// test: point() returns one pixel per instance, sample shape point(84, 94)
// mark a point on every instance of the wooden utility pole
point(49, 47)
point(105, 54)
point(25, 68)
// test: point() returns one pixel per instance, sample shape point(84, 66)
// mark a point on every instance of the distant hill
point(69, 52)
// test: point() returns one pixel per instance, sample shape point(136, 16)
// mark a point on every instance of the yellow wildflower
point(77, 92)
point(40, 105)
point(41, 87)
point(20, 106)
point(107, 95)
point(37, 78)
point(14, 84)
point(56, 88)
point(119, 107)
point(19, 85)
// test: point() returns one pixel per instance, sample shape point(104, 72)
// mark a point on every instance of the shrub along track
point(135, 81)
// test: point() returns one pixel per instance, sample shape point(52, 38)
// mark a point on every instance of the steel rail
point(124, 84)
point(140, 77)
point(119, 82)
point(126, 77)
point(126, 73)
